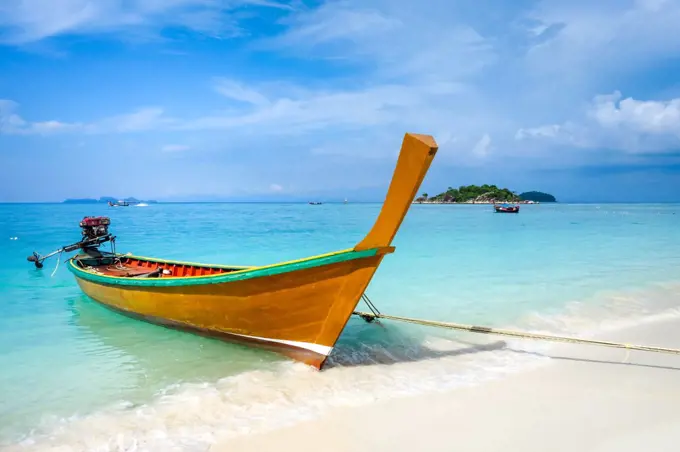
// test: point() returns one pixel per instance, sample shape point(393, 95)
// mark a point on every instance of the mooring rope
point(519, 334)
point(370, 304)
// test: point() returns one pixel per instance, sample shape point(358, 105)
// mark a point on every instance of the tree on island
point(537, 196)
point(422, 198)
point(476, 193)
point(484, 194)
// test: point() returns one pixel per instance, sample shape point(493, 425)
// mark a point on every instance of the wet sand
point(586, 399)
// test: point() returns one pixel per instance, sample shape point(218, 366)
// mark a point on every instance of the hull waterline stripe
point(316, 348)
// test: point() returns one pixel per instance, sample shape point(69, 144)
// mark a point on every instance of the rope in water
point(57, 266)
point(519, 334)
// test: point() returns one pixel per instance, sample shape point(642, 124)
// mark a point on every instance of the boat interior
point(124, 266)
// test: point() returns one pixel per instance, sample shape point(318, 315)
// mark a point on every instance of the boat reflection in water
point(149, 357)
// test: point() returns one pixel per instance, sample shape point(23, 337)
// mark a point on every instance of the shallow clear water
point(75, 374)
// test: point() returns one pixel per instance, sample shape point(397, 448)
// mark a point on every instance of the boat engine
point(94, 227)
point(95, 231)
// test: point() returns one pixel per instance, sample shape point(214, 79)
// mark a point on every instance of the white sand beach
point(585, 399)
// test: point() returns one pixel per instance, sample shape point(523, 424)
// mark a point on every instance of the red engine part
point(95, 226)
point(95, 221)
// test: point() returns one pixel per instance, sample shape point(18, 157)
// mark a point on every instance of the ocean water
point(76, 376)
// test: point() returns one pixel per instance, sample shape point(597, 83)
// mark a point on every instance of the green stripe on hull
point(239, 275)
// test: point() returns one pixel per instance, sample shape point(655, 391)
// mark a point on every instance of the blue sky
point(267, 100)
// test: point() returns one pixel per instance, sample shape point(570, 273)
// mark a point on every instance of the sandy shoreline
point(586, 399)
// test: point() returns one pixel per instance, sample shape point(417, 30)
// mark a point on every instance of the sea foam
point(193, 416)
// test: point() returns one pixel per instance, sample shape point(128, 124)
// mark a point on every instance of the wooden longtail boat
point(298, 308)
point(507, 209)
point(119, 204)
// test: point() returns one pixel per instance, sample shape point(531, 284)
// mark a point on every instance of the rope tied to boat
point(517, 334)
point(375, 313)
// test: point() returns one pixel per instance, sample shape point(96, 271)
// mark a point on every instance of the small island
point(537, 196)
point(106, 199)
point(484, 194)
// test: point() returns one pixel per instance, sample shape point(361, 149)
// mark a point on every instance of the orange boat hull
point(300, 316)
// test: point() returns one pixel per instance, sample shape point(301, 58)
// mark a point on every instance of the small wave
point(142, 204)
point(609, 311)
point(193, 416)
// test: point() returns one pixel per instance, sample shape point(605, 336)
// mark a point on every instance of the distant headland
point(106, 199)
point(484, 194)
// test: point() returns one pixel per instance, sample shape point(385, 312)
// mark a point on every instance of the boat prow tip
point(428, 140)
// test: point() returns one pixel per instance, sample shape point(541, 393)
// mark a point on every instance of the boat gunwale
point(242, 274)
point(192, 264)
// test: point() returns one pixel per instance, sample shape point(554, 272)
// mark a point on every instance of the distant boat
point(315, 203)
point(119, 203)
point(345, 202)
point(506, 208)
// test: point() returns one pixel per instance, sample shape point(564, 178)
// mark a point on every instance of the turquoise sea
point(75, 376)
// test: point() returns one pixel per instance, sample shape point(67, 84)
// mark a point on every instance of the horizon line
point(325, 202)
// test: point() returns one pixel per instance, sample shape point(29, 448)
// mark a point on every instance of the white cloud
point(147, 118)
point(9, 121)
point(237, 91)
point(25, 21)
point(398, 66)
point(639, 116)
point(395, 38)
point(482, 147)
point(13, 124)
point(610, 122)
point(517, 85)
point(175, 148)
point(298, 111)
point(605, 36)
point(140, 120)
point(549, 131)
point(302, 111)
point(652, 5)
point(275, 188)
point(335, 21)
